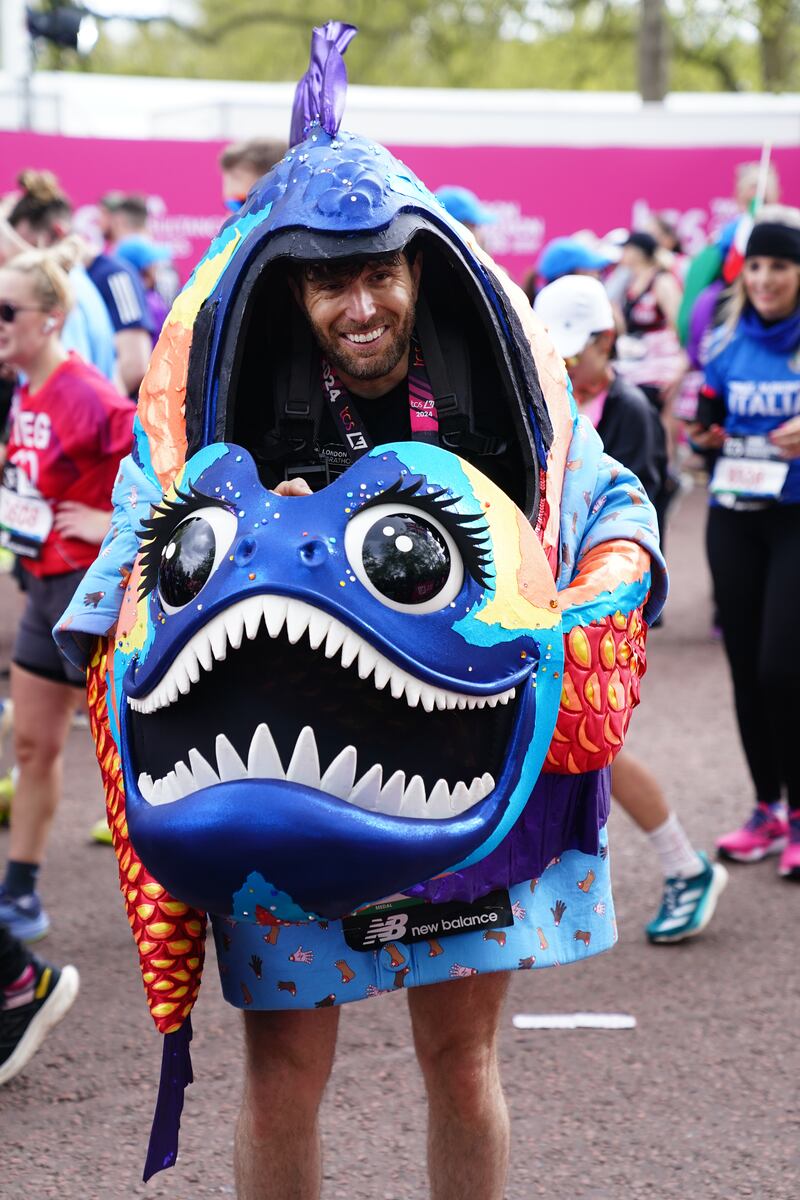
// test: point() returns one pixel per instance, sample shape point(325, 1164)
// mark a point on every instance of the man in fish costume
point(361, 644)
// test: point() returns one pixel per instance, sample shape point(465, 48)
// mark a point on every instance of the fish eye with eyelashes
point(411, 552)
point(184, 543)
point(406, 546)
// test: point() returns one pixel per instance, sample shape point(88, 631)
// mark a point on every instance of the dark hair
point(132, 205)
point(345, 270)
point(261, 154)
point(42, 202)
point(644, 242)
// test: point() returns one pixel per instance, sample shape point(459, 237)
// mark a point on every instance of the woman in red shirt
point(69, 430)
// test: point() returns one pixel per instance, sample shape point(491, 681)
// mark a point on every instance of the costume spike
point(321, 93)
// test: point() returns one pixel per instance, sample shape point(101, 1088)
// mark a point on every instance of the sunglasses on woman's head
point(8, 311)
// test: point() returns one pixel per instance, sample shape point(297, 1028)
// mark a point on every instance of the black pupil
point(406, 558)
point(186, 561)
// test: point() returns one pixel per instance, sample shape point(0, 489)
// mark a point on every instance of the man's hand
point(706, 439)
point(786, 438)
point(75, 520)
point(292, 487)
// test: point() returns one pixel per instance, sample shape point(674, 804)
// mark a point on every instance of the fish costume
point(368, 730)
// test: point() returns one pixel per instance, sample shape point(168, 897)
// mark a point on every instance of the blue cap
point(565, 256)
point(141, 253)
point(465, 206)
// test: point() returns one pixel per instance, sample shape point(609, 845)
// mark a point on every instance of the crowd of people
point(677, 363)
point(693, 363)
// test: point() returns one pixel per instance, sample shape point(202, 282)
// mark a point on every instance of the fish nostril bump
point(245, 549)
point(313, 552)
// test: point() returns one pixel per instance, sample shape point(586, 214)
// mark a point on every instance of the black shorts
point(34, 648)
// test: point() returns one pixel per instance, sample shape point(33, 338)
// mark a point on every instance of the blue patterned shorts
point(566, 915)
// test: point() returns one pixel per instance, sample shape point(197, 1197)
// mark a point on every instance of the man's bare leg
point(455, 1034)
point(637, 790)
point(288, 1059)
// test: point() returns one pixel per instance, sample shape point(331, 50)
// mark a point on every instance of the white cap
point(573, 308)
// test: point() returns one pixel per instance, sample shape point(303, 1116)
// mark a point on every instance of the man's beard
point(359, 367)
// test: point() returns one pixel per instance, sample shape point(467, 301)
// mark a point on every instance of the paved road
point(699, 1101)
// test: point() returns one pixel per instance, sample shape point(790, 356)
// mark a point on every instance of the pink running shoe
point(765, 833)
point(789, 866)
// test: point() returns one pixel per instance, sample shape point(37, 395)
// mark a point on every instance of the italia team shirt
point(759, 380)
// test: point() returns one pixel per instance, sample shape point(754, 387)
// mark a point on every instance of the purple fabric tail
point(321, 93)
point(176, 1075)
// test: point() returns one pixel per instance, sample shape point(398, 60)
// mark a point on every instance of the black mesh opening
point(289, 686)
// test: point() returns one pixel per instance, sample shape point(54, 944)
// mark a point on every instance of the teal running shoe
point(688, 904)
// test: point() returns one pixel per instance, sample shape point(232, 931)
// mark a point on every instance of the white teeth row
point(244, 618)
point(365, 337)
point(397, 797)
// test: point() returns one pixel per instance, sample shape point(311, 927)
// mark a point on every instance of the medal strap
point(352, 431)
point(422, 406)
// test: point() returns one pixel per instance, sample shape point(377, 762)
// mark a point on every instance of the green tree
point(576, 44)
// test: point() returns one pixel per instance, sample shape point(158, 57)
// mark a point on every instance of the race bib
point(26, 518)
point(416, 921)
point(749, 467)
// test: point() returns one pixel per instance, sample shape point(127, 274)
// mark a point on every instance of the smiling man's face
point(362, 316)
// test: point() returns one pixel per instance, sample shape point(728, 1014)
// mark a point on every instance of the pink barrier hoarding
point(537, 192)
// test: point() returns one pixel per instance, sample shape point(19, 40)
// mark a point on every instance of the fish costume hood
point(407, 685)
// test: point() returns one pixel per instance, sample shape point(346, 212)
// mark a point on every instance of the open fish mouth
point(274, 689)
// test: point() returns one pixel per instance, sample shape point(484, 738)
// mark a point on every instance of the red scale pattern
point(169, 935)
point(603, 663)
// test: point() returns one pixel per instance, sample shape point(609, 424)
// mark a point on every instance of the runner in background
point(755, 183)
point(749, 410)
point(124, 219)
point(670, 249)
point(566, 256)
point(40, 214)
point(580, 320)
point(146, 258)
point(121, 215)
point(648, 352)
point(43, 217)
point(69, 430)
point(649, 307)
point(243, 163)
point(124, 297)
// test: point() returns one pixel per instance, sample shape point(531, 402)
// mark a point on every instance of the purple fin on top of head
point(321, 93)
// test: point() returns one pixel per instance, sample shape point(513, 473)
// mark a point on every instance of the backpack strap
point(448, 366)
point(300, 409)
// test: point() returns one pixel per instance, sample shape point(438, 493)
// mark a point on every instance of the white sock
point(676, 853)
